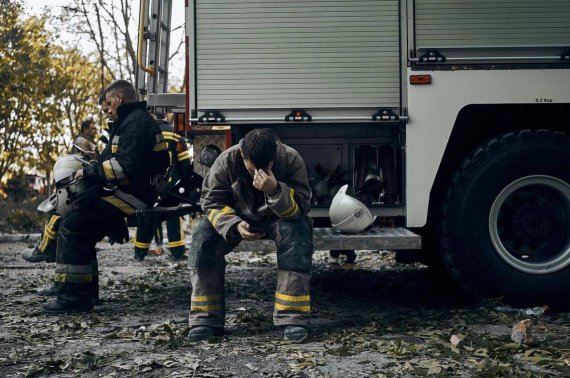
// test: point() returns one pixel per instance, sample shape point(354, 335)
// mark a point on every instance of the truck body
point(458, 110)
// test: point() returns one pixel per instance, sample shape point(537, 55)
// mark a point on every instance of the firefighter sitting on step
point(257, 189)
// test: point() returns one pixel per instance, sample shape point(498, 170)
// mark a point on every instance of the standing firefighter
point(256, 189)
point(181, 174)
point(118, 184)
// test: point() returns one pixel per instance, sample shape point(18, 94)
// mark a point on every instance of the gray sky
point(176, 71)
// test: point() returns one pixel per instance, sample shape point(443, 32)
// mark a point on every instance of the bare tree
point(111, 28)
point(106, 24)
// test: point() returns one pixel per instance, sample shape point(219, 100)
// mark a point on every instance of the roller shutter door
point(291, 54)
point(491, 23)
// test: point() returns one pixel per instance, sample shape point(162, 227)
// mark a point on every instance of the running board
point(328, 239)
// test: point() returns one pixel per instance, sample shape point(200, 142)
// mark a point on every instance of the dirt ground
point(371, 318)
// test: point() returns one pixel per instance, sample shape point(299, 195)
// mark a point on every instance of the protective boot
point(140, 254)
point(200, 333)
point(34, 255)
point(60, 307)
point(48, 291)
point(295, 334)
point(177, 253)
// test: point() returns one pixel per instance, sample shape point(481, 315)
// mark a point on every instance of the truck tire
point(506, 219)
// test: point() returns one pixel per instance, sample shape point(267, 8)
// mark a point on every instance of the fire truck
point(448, 119)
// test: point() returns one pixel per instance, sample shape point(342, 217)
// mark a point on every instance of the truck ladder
point(153, 48)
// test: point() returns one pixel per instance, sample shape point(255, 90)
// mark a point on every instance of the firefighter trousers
point(76, 270)
point(150, 228)
point(294, 241)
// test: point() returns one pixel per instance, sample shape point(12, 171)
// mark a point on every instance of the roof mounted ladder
point(153, 48)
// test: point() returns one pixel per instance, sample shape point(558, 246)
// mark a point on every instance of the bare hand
point(78, 174)
point(243, 229)
point(265, 181)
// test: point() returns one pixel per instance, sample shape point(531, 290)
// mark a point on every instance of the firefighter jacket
point(135, 158)
point(86, 146)
point(228, 195)
point(180, 170)
point(85, 142)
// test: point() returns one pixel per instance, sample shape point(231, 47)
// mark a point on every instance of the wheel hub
point(532, 224)
point(529, 223)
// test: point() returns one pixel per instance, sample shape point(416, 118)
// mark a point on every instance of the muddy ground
point(371, 318)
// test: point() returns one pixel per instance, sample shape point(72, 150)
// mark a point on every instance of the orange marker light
point(420, 79)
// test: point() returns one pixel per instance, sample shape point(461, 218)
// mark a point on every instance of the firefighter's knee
point(208, 248)
point(295, 246)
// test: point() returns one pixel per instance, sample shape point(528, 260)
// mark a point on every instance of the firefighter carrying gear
point(131, 161)
point(228, 197)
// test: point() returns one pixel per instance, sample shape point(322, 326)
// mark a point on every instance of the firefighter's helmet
point(65, 167)
point(66, 186)
point(348, 214)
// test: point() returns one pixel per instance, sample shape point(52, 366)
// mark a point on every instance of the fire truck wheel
point(506, 219)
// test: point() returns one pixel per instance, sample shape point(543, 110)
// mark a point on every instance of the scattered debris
point(522, 332)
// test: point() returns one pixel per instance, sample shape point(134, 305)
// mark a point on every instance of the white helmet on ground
point(348, 214)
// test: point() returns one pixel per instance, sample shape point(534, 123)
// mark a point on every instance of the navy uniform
point(180, 168)
point(125, 177)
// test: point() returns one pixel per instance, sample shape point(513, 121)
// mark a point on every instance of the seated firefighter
point(119, 183)
point(257, 189)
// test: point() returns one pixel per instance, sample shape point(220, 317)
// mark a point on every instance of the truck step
point(327, 239)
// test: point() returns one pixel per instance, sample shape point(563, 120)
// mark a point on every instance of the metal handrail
point(141, 40)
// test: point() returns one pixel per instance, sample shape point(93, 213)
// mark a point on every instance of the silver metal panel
point(491, 23)
point(269, 54)
point(327, 239)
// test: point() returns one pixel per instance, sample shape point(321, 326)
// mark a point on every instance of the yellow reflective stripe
point(206, 308)
point(293, 298)
point(52, 221)
point(212, 214)
point(73, 277)
point(282, 307)
point(215, 221)
point(161, 146)
point(176, 244)
point(293, 209)
point(172, 139)
point(170, 134)
point(123, 206)
point(215, 215)
point(114, 148)
point(43, 244)
point(205, 298)
point(184, 155)
point(142, 245)
point(108, 170)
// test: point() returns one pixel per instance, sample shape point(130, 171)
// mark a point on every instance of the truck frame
point(449, 119)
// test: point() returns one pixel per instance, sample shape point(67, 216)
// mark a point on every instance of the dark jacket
point(180, 171)
point(228, 195)
point(134, 157)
